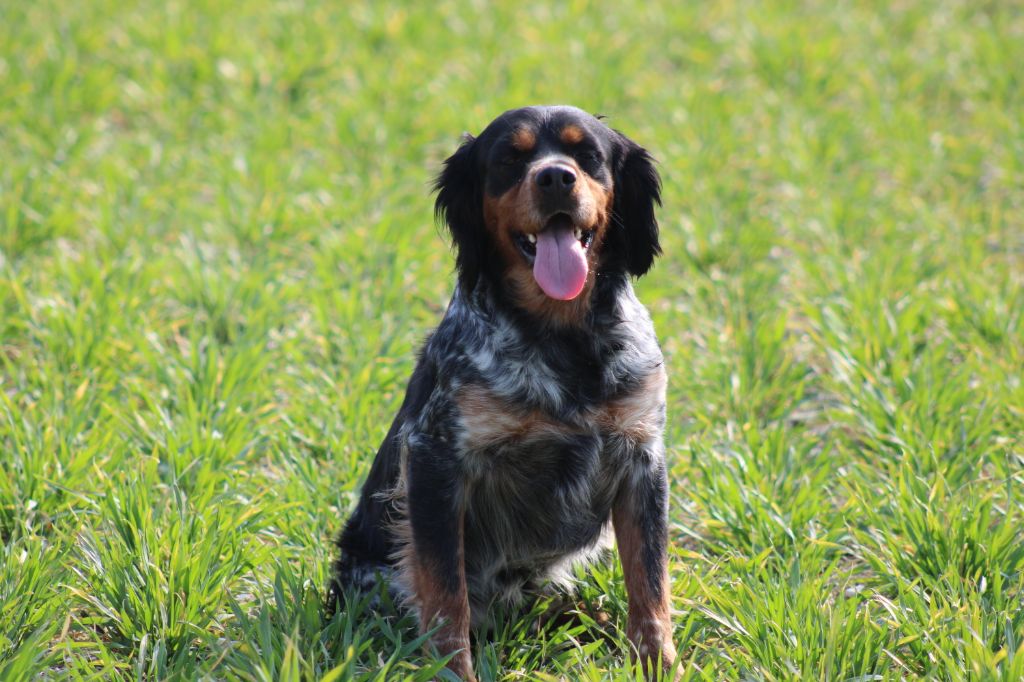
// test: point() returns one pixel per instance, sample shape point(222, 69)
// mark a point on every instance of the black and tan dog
point(532, 424)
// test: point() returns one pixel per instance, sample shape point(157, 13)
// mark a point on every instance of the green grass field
point(217, 258)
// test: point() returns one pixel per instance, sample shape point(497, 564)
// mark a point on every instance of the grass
point(217, 259)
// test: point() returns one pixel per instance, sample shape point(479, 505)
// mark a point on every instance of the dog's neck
point(595, 307)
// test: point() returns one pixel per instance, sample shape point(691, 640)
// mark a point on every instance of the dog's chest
point(522, 455)
point(492, 427)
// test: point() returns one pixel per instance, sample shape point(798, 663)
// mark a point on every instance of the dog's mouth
point(558, 254)
point(527, 242)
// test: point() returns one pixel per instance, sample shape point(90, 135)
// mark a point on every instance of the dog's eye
point(510, 158)
point(589, 156)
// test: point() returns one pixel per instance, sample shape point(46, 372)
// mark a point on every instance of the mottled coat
point(531, 430)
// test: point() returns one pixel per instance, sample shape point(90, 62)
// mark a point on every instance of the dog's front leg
point(435, 504)
point(640, 517)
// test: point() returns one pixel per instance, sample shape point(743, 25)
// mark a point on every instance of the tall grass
point(217, 259)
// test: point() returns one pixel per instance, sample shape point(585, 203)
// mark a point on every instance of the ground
point(217, 258)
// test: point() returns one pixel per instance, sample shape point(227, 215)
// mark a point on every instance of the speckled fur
point(521, 432)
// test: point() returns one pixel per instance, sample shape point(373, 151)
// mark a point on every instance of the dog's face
point(543, 200)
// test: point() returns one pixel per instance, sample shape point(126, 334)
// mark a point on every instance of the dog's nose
point(556, 180)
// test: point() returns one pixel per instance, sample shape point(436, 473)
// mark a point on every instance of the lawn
point(218, 256)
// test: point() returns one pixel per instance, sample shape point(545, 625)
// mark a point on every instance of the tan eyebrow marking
point(523, 139)
point(571, 134)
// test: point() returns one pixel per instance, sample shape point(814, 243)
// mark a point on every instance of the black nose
point(556, 180)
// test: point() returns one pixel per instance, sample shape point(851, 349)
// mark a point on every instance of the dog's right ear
point(460, 205)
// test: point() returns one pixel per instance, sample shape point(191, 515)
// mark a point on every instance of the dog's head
point(543, 200)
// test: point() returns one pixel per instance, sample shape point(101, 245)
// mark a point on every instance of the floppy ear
point(460, 205)
point(634, 228)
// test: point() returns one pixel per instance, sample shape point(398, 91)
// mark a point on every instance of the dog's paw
point(653, 647)
point(462, 665)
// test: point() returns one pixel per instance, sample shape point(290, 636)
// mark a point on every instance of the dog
point(531, 429)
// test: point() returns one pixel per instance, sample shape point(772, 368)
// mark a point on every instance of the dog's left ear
point(634, 227)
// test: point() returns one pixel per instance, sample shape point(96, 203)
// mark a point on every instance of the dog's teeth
point(532, 238)
point(578, 233)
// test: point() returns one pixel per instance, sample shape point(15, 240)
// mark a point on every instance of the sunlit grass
point(217, 259)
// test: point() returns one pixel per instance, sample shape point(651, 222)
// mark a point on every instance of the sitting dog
point(532, 423)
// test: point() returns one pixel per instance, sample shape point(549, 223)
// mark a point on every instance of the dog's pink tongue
point(560, 266)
